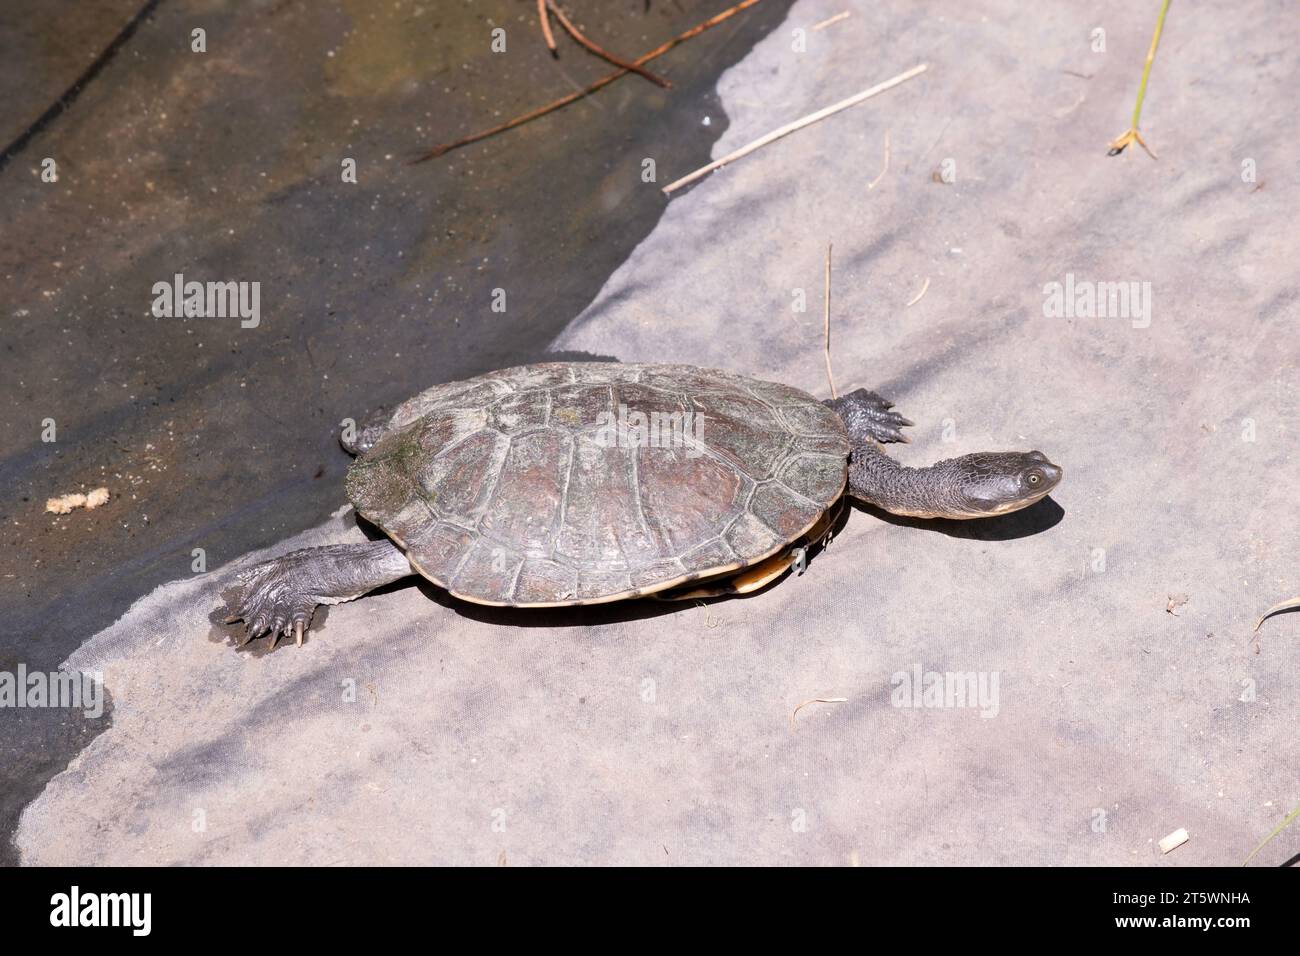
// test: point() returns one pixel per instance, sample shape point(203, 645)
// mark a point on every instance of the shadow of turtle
point(1037, 518)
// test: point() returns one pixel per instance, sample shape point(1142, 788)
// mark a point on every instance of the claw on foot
point(868, 415)
point(276, 598)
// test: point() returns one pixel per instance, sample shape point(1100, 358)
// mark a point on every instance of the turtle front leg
point(280, 595)
point(867, 415)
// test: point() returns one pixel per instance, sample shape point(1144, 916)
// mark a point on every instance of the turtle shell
point(579, 483)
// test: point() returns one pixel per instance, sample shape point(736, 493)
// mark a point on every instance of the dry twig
point(872, 184)
point(795, 126)
point(835, 19)
point(827, 319)
point(1277, 608)
point(817, 700)
point(917, 297)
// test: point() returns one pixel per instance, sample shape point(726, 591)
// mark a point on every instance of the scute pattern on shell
point(504, 489)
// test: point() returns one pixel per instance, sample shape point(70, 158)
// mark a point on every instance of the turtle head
point(360, 438)
point(995, 483)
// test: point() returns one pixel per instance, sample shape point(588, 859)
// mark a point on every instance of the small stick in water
point(547, 35)
point(604, 81)
point(603, 54)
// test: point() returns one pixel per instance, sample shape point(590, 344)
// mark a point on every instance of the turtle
point(574, 483)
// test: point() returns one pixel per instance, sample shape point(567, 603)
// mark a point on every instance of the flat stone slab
point(1105, 711)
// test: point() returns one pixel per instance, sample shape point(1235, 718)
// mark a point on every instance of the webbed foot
point(868, 415)
point(276, 597)
point(279, 596)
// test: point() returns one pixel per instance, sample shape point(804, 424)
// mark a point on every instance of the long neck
point(878, 480)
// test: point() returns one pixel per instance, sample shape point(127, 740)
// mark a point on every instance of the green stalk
point(1151, 58)
point(1290, 817)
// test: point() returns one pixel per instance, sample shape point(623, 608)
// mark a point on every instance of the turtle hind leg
point(758, 576)
point(743, 582)
point(868, 416)
point(279, 596)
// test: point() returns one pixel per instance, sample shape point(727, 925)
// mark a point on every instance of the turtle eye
point(1034, 478)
